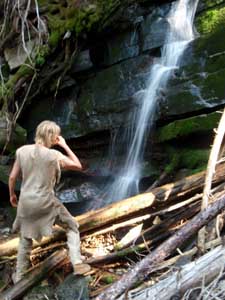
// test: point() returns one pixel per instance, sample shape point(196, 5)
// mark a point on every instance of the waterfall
point(180, 34)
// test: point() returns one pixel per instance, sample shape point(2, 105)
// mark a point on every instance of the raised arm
point(12, 182)
point(72, 162)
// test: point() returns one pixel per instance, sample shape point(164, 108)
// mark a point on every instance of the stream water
point(180, 33)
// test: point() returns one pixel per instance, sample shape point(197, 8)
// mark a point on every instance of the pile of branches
point(143, 237)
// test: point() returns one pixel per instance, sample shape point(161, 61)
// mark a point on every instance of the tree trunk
point(144, 267)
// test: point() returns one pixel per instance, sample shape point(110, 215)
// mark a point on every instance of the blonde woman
point(38, 208)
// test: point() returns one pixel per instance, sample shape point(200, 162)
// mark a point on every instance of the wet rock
point(58, 109)
point(107, 100)
point(40, 292)
point(206, 4)
point(198, 125)
point(83, 62)
point(120, 47)
point(199, 84)
point(73, 288)
point(154, 28)
point(68, 195)
point(82, 198)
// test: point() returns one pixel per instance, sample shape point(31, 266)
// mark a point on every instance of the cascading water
point(180, 34)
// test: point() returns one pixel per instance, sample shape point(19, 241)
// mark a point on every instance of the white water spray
point(180, 34)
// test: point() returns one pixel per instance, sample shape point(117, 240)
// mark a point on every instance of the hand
point(60, 141)
point(13, 200)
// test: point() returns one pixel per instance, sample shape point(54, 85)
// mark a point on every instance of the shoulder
point(56, 154)
point(24, 148)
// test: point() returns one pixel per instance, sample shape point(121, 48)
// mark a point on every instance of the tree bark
point(34, 276)
point(191, 275)
point(144, 267)
point(128, 208)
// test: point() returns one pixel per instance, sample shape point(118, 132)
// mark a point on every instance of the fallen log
point(191, 275)
point(145, 266)
point(128, 208)
point(213, 158)
point(34, 276)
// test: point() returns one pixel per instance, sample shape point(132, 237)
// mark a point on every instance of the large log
point(145, 266)
point(205, 269)
point(129, 207)
point(34, 276)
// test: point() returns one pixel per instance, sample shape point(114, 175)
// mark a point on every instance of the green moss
point(41, 55)
point(76, 18)
point(194, 160)
point(128, 251)
point(109, 279)
point(213, 85)
point(188, 126)
point(210, 24)
point(173, 164)
point(210, 20)
point(23, 71)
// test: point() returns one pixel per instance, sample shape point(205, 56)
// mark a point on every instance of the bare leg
point(23, 257)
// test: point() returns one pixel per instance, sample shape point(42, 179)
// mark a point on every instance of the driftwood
point(116, 256)
point(34, 276)
point(127, 208)
point(192, 275)
point(145, 267)
point(213, 158)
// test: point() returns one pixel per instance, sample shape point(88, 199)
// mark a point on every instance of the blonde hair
point(46, 133)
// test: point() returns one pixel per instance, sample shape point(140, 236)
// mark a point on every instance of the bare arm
point(12, 182)
point(72, 163)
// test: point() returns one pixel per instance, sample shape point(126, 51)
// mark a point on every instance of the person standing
point(38, 209)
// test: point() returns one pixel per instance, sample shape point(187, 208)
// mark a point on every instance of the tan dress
point(38, 208)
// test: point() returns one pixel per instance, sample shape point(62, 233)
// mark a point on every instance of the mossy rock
point(200, 81)
point(75, 17)
point(188, 127)
point(191, 159)
point(17, 139)
point(211, 20)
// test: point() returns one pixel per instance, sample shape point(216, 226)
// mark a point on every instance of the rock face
point(118, 68)
point(105, 83)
